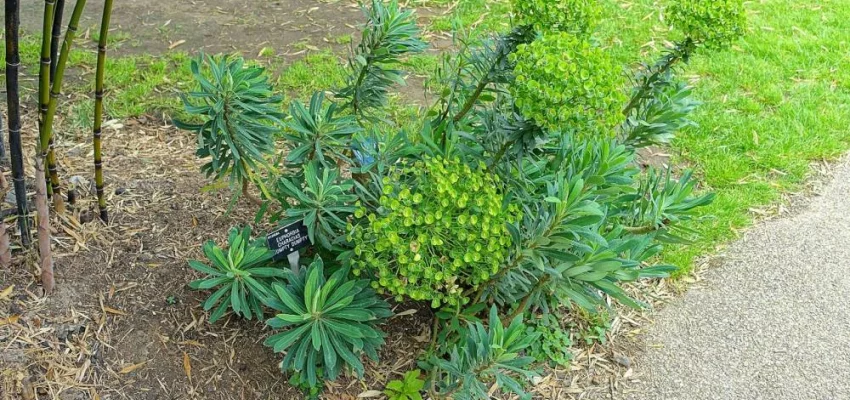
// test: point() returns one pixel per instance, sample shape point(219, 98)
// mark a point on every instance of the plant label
point(288, 239)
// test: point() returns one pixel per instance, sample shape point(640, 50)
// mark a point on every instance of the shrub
point(242, 274)
point(440, 231)
point(331, 322)
point(572, 16)
point(239, 115)
point(564, 82)
point(711, 23)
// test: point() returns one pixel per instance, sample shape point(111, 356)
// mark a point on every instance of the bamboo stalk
point(44, 73)
point(2, 143)
point(57, 32)
point(44, 70)
point(98, 110)
point(13, 62)
point(47, 133)
point(43, 227)
point(54, 56)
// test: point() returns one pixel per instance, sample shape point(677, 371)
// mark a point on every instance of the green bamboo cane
point(13, 62)
point(58, 11)
point(98, 109)
point(44, 71)
point(58, 203)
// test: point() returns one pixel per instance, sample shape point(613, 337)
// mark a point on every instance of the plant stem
point(98, 110)
point(524, 302)
point(247, 193)
point(482, 84)
point(13, 62)
point(47, 133)
point(681, 51)
point(44, 79)
point(501, 153)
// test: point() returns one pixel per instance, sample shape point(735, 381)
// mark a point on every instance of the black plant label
point(288, 239)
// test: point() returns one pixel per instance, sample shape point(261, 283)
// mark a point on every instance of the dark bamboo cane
point(56, 36)
point(13, 62)
point(98, 110)
point(71, 33)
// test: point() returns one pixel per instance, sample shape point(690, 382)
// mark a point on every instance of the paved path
point(772, 322)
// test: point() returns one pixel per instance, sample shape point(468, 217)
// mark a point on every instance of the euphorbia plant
point(241, 275)
point(332, 321)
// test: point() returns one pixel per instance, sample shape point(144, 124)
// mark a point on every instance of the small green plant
point(440, 230)
point(485, 355)
point(239, 116)
point(554, 345)
point(242, 275)
point(572, 16)
point(591, 326)
point(408, 388)
point(563, 81)
point(331, 322)
point(713, 24)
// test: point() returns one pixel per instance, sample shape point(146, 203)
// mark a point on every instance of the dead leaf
point(369, 393)
point(7, 292)
point(10, 320)
point(175, 44)
point(114, 311)
point(131, 368)
point(187, 365)
point(405, 312)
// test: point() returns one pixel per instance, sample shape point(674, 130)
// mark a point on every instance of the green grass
point(775, 103)
point(483, 15)
point(316, 71)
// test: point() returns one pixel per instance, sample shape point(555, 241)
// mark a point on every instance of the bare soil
point(156, 26)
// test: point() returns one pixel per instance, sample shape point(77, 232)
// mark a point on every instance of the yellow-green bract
point(574, 16)
point(711, 23)
point(564, 82)
point(436, 237)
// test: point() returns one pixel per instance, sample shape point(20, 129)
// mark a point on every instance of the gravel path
point(772, 322)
